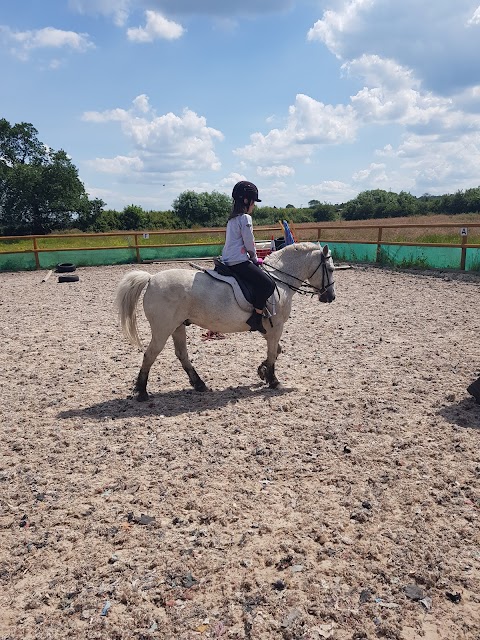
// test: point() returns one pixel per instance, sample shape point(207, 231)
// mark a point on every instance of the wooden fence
point(303, 231)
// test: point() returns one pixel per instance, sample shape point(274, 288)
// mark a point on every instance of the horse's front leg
point(266, 370)
point(180, 341)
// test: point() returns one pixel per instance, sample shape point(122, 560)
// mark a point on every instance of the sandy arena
point(344, 505)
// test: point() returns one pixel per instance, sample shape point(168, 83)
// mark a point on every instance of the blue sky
point(308, 99)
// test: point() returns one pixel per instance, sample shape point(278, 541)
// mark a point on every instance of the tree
point(19, 144)
point(89, 214)
point(40, 190)
point(132, 218)
point(162, 220)
point(378, 203)
point(407, 204)
point(202, 209)
point(106, 221)
point(472, 200)
point(324, 212)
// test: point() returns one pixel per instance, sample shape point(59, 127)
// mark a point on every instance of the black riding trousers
point(262, 284)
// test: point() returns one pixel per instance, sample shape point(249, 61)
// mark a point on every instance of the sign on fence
point(464, 231)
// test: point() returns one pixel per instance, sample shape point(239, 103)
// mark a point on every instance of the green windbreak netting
point(472, 261)
point(17, 262)
point(394, 255)
point(180, 253)
point(50, 259)
point(99, 257)
point(346, 252)
point(420, 257)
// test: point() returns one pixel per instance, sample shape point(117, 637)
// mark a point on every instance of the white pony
point(178, 297)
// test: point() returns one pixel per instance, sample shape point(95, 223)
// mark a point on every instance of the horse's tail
point(128, 293)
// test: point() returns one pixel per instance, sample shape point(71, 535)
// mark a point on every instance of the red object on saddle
point(263, 253)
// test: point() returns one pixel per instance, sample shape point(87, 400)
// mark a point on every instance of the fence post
point(137, 249)
point(35, 251)
point(379, 240)
point(463, 254)
point(319, 233)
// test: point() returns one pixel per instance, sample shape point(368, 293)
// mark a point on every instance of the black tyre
point(66, 267)
point(68, 278)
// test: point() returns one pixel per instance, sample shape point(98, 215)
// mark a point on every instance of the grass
point(117, 240)
point(356, 231)
point(367, 230)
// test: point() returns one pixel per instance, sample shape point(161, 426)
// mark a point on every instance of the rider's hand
point(259, 261)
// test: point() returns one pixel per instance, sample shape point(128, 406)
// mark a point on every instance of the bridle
point(305, 288)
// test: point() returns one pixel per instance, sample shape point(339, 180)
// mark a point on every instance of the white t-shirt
point(239, 241)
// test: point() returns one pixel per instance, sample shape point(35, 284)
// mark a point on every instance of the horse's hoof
point(142, 396)
point(274, 384)
point(200, 386)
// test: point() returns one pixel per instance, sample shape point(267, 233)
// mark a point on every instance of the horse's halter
point(303, 283)
point(325, 275)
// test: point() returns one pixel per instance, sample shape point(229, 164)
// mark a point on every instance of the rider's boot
point(255, 322)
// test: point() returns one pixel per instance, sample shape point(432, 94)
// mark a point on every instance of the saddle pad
point(239, 297)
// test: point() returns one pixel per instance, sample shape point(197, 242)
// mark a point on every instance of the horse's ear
point(326, 250)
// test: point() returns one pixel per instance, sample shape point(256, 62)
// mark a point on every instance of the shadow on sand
point(465, 413)
point(174, 403)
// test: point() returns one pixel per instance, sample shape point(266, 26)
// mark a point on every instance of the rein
point(303, 283)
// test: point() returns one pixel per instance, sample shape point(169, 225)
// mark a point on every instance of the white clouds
point(434, 39)
point(395, 96)
point(113, 115)
point(24, 42)
point(310, 124)
point(279, 171)
point(142, 104)
point(436, 161)
point(156, 27)
point(337, 26)
point(375, 175)
point(403, 105)
point(316, 123)
point(434, 128)
point(161, 144)
point(380, 71)
point(384, 93)
point(327, 191)
point(475, 19)
point(118, 9)
point(119, 165)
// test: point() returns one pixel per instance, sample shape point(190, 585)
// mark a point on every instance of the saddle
point(246, 288)
point(242, 290)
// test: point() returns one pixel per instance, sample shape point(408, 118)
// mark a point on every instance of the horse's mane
point(277, 258)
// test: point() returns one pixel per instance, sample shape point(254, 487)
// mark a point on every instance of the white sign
point(464, 231)
point(147, 235)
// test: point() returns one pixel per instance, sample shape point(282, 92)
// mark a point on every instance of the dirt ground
point(344, 505)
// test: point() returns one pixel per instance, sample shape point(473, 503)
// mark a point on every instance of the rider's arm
point(248, 237)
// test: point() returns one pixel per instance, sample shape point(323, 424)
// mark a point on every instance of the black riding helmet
point(245, 189)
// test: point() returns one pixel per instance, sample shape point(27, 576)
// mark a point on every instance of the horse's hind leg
point(180, 341)
point(149, 358)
